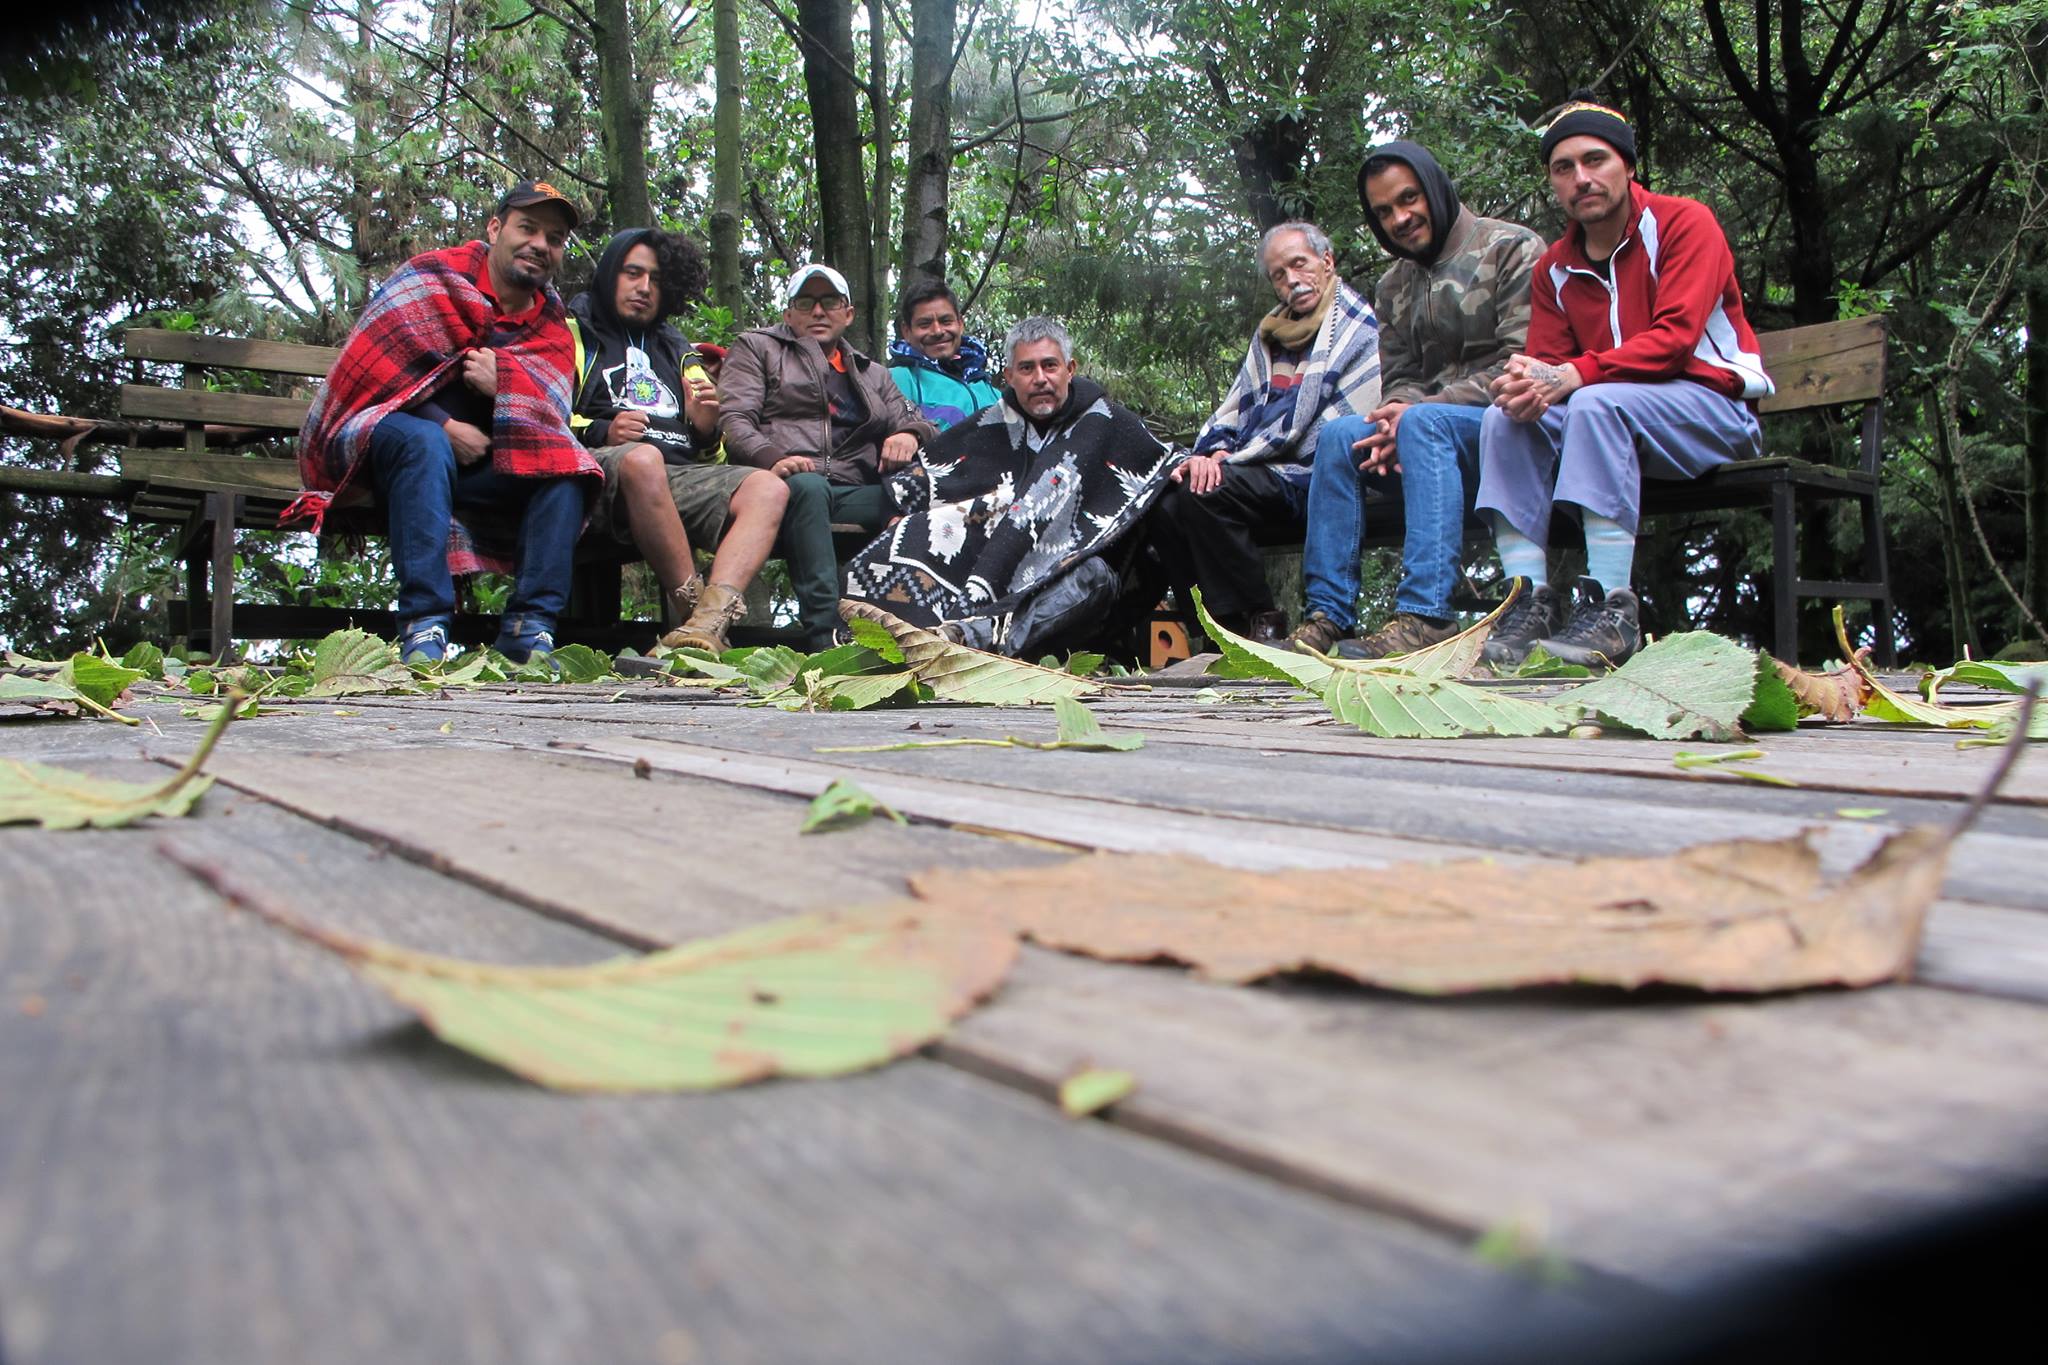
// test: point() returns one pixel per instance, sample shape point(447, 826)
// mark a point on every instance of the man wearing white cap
point(796, 399)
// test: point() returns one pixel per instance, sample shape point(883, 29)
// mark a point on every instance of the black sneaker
point(1536, 613)
point(1602, 632)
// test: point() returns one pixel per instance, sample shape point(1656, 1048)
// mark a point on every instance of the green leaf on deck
point(1979, 673)
point(1696, 685)
point(1244, 658)
point(1541, 663)
point(702, 664)
point(1394, 706)
point(1079, 729)
point(768, 668)
point(100, 680)
point(819, 995)
point(1723, 762)
point(1084, 664)
point(875, 636)
point(59, 798)
point(1885, 704)
point(1452, 658)
point(1087, 1092)
point(958, 673)
point(1775, 706)
point(848, 660)
point(844, 803)
point(354, 662)
point(581, 664)
point(146, 659)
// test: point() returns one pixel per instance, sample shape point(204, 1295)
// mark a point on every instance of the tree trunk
point(844, 226)
point(2035, 588)
point(725, 158)
point(882, 103)
point(624, 116)
point(928, 149)
point(1962, 626)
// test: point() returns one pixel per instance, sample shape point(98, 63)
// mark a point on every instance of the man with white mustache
point(1315, 358)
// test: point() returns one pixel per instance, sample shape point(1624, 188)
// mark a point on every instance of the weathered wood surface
point(199, 405)
point(228, 353)
point(222, 1146)
point(1663, 1137)
point(1830, 362)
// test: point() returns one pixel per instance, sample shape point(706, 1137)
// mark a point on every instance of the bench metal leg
point(1784, 573)
point(1877, 569)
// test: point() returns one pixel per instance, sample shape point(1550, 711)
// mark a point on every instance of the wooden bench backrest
point(1826, 364)
point(196, 406)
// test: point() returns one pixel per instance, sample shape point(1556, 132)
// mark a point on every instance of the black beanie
point(1584, 118)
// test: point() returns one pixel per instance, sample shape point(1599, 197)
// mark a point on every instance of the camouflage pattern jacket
point(1447, 330)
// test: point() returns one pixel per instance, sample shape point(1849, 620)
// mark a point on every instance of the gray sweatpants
point(1596, 450)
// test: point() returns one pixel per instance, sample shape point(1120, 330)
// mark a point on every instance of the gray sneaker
point(1535, 614)
point(1602, 631)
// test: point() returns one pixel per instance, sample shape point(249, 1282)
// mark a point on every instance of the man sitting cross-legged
point(1640, 363)
point(1315, 358)
point(941, 370)
point(649, 412)
point(1011, 513)
point(1452, 310)
point(797, 400)
point(452, 396)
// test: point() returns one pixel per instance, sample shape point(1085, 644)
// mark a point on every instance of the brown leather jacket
point(771, 400)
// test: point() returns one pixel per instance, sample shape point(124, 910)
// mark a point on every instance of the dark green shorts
point(703, 494)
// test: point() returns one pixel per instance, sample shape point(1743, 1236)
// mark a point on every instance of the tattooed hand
point(1528, 387)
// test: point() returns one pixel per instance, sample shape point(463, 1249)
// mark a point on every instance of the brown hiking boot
point(1316, 634)
point(683, 597)
point(716, 610)
point(1403, 635)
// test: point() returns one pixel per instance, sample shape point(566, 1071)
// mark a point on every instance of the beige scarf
point(1290, 333)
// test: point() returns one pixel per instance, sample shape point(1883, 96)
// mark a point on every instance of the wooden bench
point(1829, 366)
point(212, 492)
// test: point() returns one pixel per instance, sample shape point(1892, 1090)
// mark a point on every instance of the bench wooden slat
point(197, 405)
point(255, 475)
point(233, 353)
point(1830, 362)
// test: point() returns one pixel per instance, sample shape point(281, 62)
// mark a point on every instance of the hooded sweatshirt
point(946, 392)
point(1452, 313)
point(622, 365)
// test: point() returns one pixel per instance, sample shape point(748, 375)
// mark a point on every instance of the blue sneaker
point(526, 639)
point(425, 641)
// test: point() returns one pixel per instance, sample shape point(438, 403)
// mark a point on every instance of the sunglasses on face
point(812, 303)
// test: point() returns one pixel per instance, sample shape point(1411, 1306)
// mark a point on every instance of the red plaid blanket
point(407, 345)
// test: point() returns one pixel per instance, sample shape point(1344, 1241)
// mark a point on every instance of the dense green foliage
point(255, 167)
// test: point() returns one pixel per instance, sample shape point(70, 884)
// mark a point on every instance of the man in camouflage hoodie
point(1452, 310)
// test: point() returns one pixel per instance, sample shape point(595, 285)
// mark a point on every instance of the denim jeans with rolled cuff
point(420, 484)
point(1437, 446)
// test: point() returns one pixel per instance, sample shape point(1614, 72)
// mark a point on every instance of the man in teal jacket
point(941, 370)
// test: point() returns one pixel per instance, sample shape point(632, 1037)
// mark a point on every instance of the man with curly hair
point(649, 414)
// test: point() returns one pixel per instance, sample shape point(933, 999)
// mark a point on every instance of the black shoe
point(1602, 632)
point(1536, 613)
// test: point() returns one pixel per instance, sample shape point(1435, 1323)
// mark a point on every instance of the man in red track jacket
point(1640, 364)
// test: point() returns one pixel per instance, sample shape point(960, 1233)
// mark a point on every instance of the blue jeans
point(1437, 446)
point(421, 485)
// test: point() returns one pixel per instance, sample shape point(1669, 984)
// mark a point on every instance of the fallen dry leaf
point(1838, 694)
point(1743, 915)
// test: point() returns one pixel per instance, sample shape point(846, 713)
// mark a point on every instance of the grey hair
point(1038, 329)
point(1318, 240)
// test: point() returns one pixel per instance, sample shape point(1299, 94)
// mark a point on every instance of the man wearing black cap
point(1640, 364)
point(1452, 310)
point(452, 396)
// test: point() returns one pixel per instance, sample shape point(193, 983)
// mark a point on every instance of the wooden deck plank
point(1664, 1137)
point(220, 1145)
point(1344, 804)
